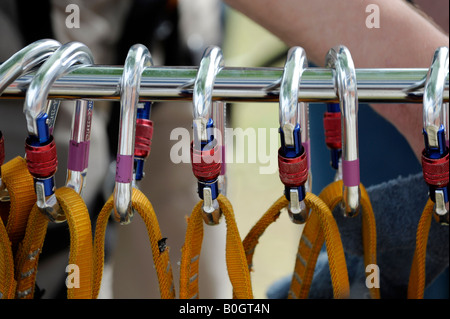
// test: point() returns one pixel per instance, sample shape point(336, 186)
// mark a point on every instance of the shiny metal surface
point(433, 111)
point(137, 60)
point(291, 114)
point(289, 110)
point(339, 59)
point(232, 84)
point(59, 63)
point(25, 60)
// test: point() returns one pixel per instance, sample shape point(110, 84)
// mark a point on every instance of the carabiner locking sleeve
point(292, 156)
point(21, 63)
point(206, 152)
point(40, 145)
point(435, 156)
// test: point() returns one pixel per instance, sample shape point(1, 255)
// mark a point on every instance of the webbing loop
point(80, 255)
point(142, 205)
point(322, 218)
point(235, 257)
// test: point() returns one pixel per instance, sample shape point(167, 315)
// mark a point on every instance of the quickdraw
point(206, 165)
point(126, 198)
point(435, 165)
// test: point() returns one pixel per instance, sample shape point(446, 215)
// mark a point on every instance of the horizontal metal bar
point(232, 85)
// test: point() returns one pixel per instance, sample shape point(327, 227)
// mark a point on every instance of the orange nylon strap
point(416, 286)
point(322, 217)
point(332, 196)
point(235, 256)
point(19, 183)
point(161, 260)
point(7, 282)
point(80, 246)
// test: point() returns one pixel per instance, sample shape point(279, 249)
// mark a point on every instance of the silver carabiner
point(137, 60)
point(293, 118)
point(435, 127)
point(203, 123)
point(340, 60)
point(21, 63)
point(39, 126)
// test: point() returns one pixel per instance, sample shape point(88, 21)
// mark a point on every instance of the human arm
point(405, 39)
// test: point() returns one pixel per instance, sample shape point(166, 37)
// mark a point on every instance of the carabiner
point(205, 150)
point(137, 60)
point(40, 145)
point(21, 63)
point(435, 156)
point(340, 60)
point(292, 156)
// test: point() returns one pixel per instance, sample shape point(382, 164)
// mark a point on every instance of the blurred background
point(176, 33)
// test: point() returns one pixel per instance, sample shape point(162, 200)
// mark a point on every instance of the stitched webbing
point(80, 246)
point(321, 215)
point(20, 186)
point(7, 282)
point(235, 256)
point(332, 196)
point(416, 286)
point(161, 260)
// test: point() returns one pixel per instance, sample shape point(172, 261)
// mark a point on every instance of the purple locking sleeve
point(78, 156)
point(350, 172)
point(124, 168)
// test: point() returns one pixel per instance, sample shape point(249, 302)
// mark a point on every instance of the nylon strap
point(235, 257)
point(20, 187)
point(326, 227)
point(19, 183)
point(311, 241)
point(7, 282)
point(142, 205)
point(80, 246)
point(416, 286)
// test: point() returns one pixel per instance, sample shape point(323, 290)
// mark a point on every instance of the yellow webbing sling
point(80, 246)
point(323, 220)
point(161, 260)
point(416, 286)
point(312, 241)
point(19, 183)
point(20, 187)
point(235, 257)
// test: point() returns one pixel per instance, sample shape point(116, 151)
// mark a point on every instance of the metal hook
point(21, 63)
point(292, 115)
point(340, 60)
point(40, 145)
point(137, 60)
point(435, 130)
point(205, 136)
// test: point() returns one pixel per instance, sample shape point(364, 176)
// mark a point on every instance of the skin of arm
point(405, 39)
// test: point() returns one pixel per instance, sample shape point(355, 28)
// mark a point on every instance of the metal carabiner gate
point(435, 156)
point(40, 145)
point(21, 63)
point(137, 60)
point(292, 156)
point(206, 152)
point(340, 60)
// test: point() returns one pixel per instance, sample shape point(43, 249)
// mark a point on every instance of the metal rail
point(232, 84)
